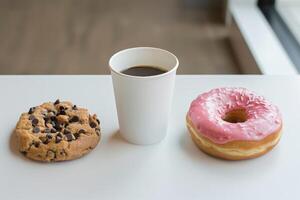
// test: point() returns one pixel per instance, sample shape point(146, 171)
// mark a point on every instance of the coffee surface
point(143, 71)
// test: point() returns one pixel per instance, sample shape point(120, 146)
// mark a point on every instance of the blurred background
point(208, 36)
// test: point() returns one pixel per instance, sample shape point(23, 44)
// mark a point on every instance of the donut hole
point(236, 116)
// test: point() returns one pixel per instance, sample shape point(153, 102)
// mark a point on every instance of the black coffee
point(143, 71)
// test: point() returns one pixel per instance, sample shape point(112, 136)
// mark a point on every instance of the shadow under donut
point(227, 168)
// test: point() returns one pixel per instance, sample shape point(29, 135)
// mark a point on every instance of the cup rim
point(143, 77)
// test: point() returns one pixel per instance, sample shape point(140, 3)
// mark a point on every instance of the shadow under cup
point(143, 102)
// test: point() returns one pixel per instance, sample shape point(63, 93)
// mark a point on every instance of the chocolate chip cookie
point(57, 131)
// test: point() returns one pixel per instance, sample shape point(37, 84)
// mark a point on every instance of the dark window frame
point(282, 31)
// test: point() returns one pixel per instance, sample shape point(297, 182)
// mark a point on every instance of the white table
point(172, 169)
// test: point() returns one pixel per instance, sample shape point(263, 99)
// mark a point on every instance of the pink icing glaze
point(208, 110)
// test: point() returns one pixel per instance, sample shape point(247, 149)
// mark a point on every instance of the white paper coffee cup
point(143, 102)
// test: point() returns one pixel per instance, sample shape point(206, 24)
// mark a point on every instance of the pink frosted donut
point(234, 123)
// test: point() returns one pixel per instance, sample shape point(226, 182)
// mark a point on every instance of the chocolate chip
point(36, 130)
point(98, 121)
point(35, 122)
point(74, 119)
point(63, 152)
point(31, 117)
point(49, 136)
point(47, 124)
point(53, 118)
point(62, 112)
point(69, 137)
point(37, 144)
point(58, 128)
point(93, 124)
point(47, 130)
point(76, 135)
point(81, 131)
point(46, 119)
point(56, 102)
point(23, 152)
point(53, 130)
point(59, 135)
point(58, 139)
point(44, 140)
point(66, 124)
point(31, 110)
point(57, 125)
point(74, 107)
point(67, 132)
point(61, 108)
